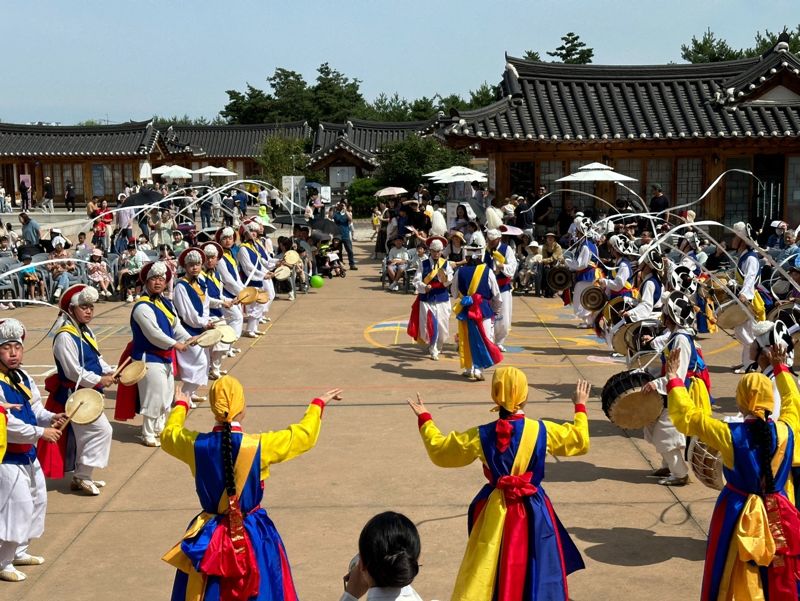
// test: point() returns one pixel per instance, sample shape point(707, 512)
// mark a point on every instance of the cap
point(493, 234)
point(190, 256)
point(155, 269)
point(79, 294)
point(11, 330)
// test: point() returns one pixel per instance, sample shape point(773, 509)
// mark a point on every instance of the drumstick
point(70, 416)
point(121, 366)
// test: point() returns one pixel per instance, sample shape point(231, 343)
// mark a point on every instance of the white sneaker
point(502, 348)
point(129, 298)
point(151, 442)
point(230, 353)
point(236, 350)
point(214, 375)
point(192, 404)
point(199, 399)
point(57, 294)
point(26, 559)
point(86, 486)
point(12, 574)
point(291, 296)
point(435, 355)
point(250, 335)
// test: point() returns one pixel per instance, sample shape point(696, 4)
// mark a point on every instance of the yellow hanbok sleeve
point(691, 420)
point(790, 397)
point(457, 449)
point(177, 440)
point(295, 440)
point(3, 434)
point(568, 439)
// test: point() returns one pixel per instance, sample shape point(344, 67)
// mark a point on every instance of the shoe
point(250, 335)
point(435, 355)
point(224, 372)
point(28, 560)
point(199, 399)
point(661, 472)
point(12, 574)
point(740, 370)
point(214, 375)
point(467, 373)
point(502, 348)
point(87, 486)
point(354, 268)
point(99, 483)
point(230, 353)
point(615, 355)
point(192, 404)
point(129, 298)
point(57, 293)
point(291, 296)
point(674, 481)
point(394, 287)
point(151, 442)
point(477, 376)
point(583, 326)
point(236, 350)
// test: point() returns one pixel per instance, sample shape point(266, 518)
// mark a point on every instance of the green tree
point(361, 194)
point(422, 109)
point(532, 55)
point(709, 49)
point(251, 106)
point(768, 39)
point(573, 51)
point(484, 95)
point(164, 122)
point(281, 156)
point(403, 163)
point(335, 96)
point(386, 108)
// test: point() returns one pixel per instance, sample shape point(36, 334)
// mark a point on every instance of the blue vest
point(252, 254)
point(587, 274)
point(19, 454)
point(90, 360)
point(696, 363)
point(197, 303)
point(213, 290)
point(693, 256)
point(657, 287)
point(465, 278)
point(503, 281)
point(232, 270)
point(438, 293)
point(143, 349)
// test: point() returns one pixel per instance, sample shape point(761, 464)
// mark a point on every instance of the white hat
point(210, 250)
point(158, 269)
point(436, 245)
point(58, 240)
point(227, 232)
point(87, 296)
point(493, 234)
point(533, 244)
point(11, 330)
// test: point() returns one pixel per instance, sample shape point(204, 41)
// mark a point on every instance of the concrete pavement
point(638, 539)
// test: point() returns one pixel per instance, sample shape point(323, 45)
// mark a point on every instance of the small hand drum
point(87, 404)
point(248, 295)
point(227, 334)
point(263, 297)
point(643, 359)
point(132, 373)
point(626, 405)
point(593, 298)
point(282, 273)
point(209, 338)
point(559, 278)
point(706, 464)
point(292, 257)
point(639, 329)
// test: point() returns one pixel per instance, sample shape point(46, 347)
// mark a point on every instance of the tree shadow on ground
point(634, 547)
point(406, 360)
point(569, 470)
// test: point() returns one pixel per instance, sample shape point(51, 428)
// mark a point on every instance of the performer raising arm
point(501, 560)
point(232, 550)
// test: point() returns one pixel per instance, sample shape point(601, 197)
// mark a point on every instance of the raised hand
point(672, 364)
point(582, 390)
point(332, 395)
point(418, 406)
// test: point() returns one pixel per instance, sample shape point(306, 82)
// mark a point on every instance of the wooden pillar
point(714, 203)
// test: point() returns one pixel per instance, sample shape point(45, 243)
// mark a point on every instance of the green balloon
point(316, 281)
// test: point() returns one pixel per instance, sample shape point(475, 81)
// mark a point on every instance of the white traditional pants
point(669, 443)
point(744, 334)
point(502, 322)
point(441, 317)
point(92, 446)
point(254, 313)
point(23, 504)
point(580, 311)
point(156, 391)
point(270, 288)
point(233, 317)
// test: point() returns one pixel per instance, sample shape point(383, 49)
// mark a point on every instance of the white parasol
point(454, 170)
point(596, 172)
point(175, 172)
point(391, 191)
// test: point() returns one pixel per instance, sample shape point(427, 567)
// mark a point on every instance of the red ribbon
point(234, 563)
point(516, 487)
point(503, 430)
point(783, 572)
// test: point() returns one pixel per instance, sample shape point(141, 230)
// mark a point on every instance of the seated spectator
point(143, 243)
point(97, 272)
point(130, 264)
point(334, 256)
point(178, 242)
point(777, 240)
point(529, 270)
point(454, 251)
point(32, 281)
point(82, 244)
point(790, 249)
point(6, 250)
point(422, 254)
point(387, 560)
point(13, 237)
point(396, 262)
point(61, 270)
point(719, 259)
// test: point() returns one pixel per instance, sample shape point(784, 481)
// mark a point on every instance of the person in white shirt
point(397, 262)
point(748, 275)
point(501, 259)
point(387, 561)
point(431, 282)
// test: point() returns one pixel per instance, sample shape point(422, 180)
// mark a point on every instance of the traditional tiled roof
point(127, 139)
point(557, 102)
point(363, 139)
point(231, 141)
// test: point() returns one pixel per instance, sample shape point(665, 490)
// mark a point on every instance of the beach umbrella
point(176, 172)
point(145, 197)
point(456, 169)
point(596, 172)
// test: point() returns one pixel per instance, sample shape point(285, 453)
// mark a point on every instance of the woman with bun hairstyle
point(387, 560)
point(517, 548)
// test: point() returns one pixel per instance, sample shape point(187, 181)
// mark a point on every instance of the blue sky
point(71, 60)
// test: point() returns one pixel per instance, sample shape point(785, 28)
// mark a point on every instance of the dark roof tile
point(230, 141)
point(126, 139)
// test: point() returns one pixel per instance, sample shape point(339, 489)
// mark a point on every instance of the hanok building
point(679, 125)
point(351, 149)
point(99, 160)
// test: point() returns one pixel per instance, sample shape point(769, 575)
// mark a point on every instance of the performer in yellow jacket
point(753, 548)
point(232, 550)
point(517, 547)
